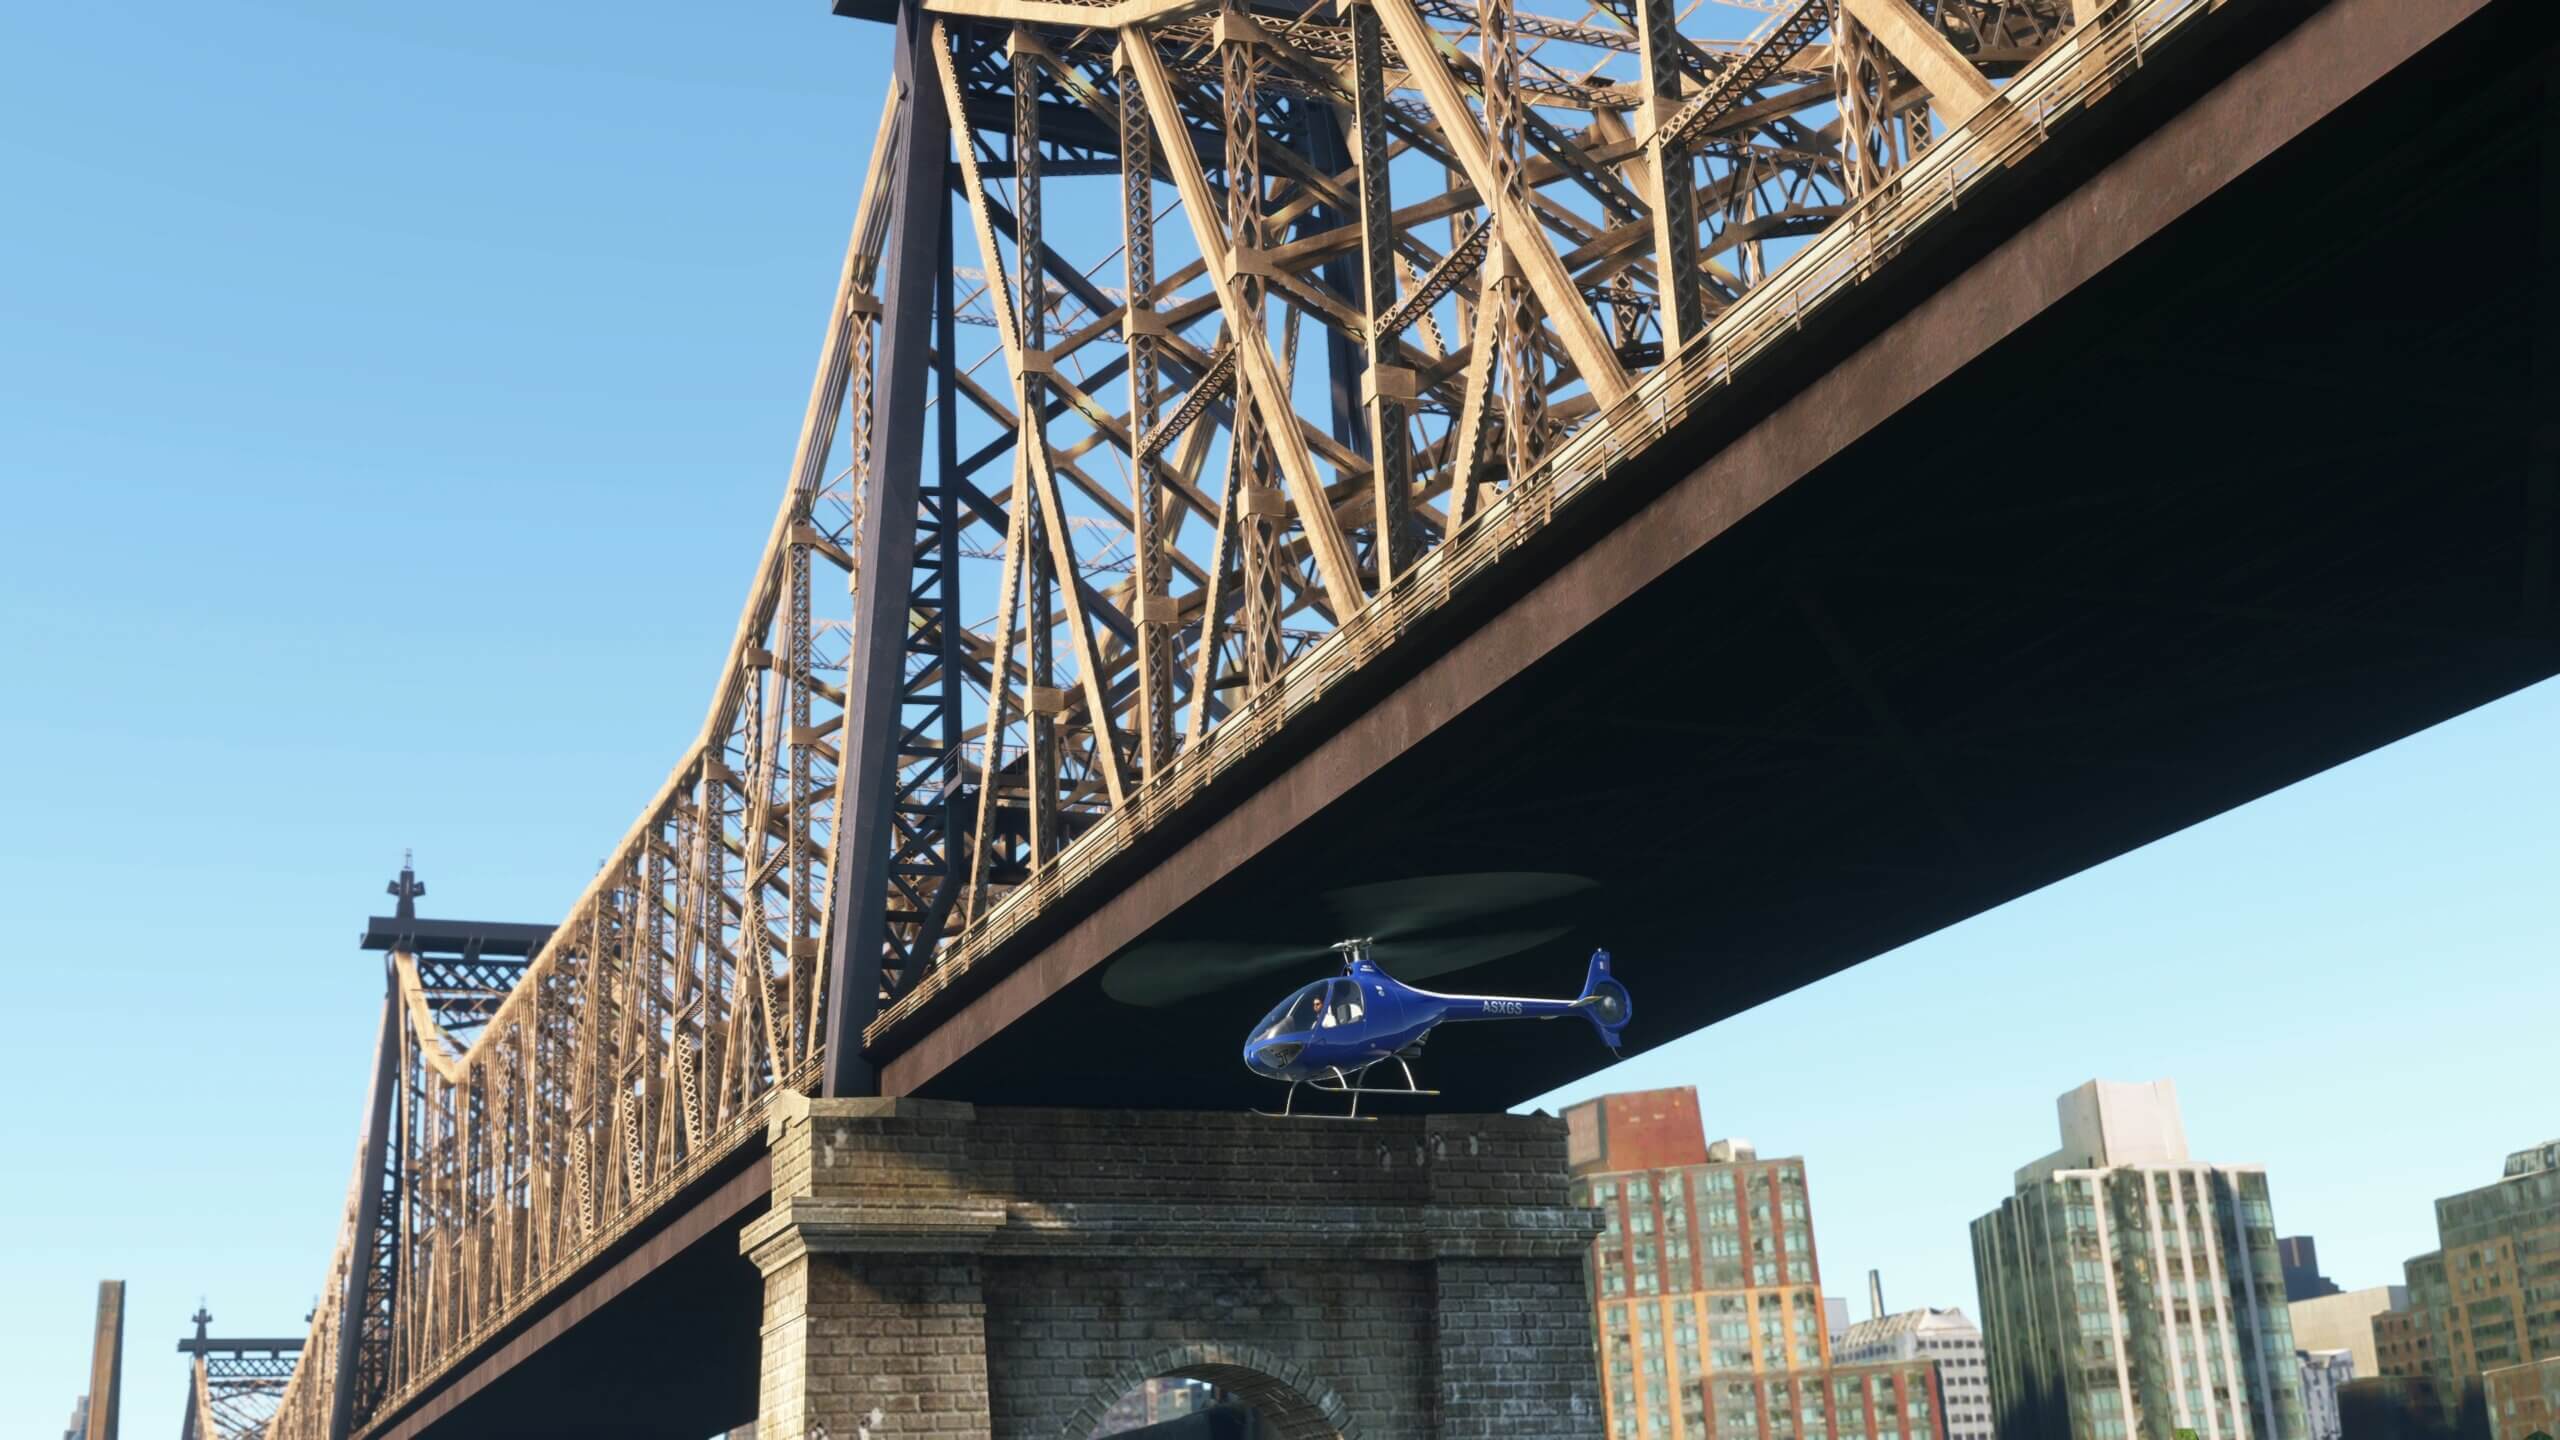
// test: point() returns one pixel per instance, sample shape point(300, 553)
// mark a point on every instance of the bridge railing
point(2059, 84)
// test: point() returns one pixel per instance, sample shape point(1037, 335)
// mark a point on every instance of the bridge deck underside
point(663, 1345)
point(2256, 499)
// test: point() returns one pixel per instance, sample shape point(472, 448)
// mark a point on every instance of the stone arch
point(1294, 1403)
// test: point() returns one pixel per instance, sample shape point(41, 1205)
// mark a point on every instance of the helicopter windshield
point(1301, 1011)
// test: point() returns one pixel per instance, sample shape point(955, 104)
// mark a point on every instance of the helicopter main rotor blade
point(1397, 910)
point(1160, 973)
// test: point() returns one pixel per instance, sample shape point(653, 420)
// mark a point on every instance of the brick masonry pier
point(946, 1270)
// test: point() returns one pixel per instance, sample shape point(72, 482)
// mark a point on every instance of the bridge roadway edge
point(724, 1199)
point(2142, 159)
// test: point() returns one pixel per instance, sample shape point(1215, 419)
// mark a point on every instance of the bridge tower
point(234, 1386)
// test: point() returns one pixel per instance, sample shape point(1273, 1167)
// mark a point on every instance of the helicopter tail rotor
point(1604, 1001)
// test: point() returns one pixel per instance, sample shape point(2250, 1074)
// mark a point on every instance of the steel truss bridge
point(1201, 376)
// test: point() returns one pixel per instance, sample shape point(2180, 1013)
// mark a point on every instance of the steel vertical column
point(1524, 388)
point(1320, 138)
point(1256, 501)
point(1387, 386)
point(1150, 605)
point(929, 759)
point(1046, 698)
point(1675, 193)
point(363, 1346)
point(860, 875)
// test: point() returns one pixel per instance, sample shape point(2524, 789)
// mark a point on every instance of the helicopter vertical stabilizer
point(1604, 1001)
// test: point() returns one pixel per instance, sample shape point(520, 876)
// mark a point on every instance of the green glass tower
point(2130, 1292)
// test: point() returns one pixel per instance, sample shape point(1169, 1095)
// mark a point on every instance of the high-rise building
point(2129, 1290)
point(1941, 1338)
point(1708, 1293)
point(2346, 1321)
point(2489, 1297)
point(2322, 1374)
point(79, 1428)
point(2300, 1256)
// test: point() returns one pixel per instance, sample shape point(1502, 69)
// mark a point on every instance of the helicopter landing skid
point(1340, 1084)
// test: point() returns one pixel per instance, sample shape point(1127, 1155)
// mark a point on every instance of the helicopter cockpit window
point(1305, 1010)
point(1345, 1007)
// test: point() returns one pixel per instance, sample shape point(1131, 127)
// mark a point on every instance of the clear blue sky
point(392, 399)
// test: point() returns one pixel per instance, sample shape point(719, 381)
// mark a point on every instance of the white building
point(1944, 1337)
point(2131, 1292)
point(2323, 1371)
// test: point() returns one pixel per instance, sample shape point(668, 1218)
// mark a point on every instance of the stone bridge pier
point(940, 1269)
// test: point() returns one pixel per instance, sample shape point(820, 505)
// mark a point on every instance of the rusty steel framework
point(1184, 353)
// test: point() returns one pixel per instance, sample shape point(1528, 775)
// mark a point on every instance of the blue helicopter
point(1329, 1034)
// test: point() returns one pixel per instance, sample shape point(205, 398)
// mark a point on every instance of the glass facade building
point(2131, 1293)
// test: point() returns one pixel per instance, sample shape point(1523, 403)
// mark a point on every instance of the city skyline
point(2236, 1085)
point(2424, 1170)
point(194, 1009)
